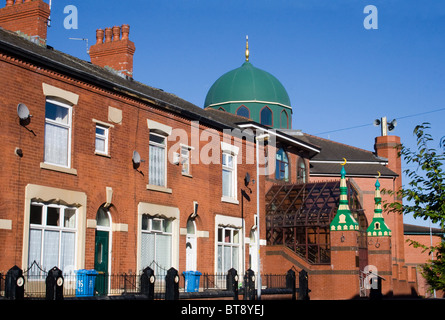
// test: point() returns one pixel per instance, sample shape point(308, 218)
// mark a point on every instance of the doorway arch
point(102, 249)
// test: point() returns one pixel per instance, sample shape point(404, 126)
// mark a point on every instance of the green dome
point(247, 84)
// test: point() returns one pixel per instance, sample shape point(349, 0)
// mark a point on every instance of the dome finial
point(247, 48)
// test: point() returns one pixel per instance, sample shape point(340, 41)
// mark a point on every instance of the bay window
point(52, 235)
point(228, 249)
point(156, 243)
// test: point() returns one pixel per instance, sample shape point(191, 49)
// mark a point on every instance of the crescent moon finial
point(344, 159)
point(379, 174)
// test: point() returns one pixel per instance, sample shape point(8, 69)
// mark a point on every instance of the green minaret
point(343, 220)
point(378, 227)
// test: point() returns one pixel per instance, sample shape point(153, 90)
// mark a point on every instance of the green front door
point(101, 261)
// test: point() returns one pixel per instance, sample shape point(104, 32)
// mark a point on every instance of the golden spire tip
point(247, 48)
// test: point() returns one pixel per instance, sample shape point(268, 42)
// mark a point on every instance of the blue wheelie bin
point(192, 280)
point(85, 282)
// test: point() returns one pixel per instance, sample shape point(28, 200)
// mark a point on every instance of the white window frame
point(104, 137)
point(43, 226)
point(164, 147)
point(185, 159)
point(155, 232)
point(232, 151)
point(228, 165)
point(221, 243)
point(63, 125)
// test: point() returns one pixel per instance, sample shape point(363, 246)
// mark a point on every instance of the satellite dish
point(136, 159)
point(247, 179)
point(23, 113)
point(377, 122)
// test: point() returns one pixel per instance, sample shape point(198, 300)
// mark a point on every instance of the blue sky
point(338, 74)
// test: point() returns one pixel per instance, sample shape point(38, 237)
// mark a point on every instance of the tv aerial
point(82, 39)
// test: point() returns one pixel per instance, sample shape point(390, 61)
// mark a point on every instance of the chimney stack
point(114, 49)
point(28, 17)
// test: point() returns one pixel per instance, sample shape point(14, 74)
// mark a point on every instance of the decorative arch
point(301, 171)
point(282, 165)
point(266, 116)
point(284, 119)
point(243, 111)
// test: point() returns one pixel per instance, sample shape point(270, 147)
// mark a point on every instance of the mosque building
point(307, 208)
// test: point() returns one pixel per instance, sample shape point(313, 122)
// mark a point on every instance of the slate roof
point(410, 229)
point(83, 70)
point(360, 162)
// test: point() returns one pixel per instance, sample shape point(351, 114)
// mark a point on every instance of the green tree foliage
point(424, 197)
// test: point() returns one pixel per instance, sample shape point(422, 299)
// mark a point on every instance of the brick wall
point(95, 172)
point(28, 17)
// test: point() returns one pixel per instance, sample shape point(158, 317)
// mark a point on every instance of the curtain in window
point(156, 247)
point(227, 183)
point(100, 144)
point(156, 170)
point(35, 248)
point(163, 250)
point(67, 254)
point(147, 249)
point(219, 262)
point(50, 249)
point(235, 255)
point(227, 258)
point(56, 144)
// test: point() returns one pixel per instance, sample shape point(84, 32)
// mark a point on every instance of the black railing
point(89, 283)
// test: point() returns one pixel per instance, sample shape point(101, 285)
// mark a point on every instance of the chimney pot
point(115, 54)
point(125, 31)
point(30, 17)
point(99, 36)
point(116, 33)
point(108, 35)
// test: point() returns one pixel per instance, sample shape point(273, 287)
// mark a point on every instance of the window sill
point(158, 188)
point(52, 167)
point(102, 154)
point(187, 175)
point(229, 200)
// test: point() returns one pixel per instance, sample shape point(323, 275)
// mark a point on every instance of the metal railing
point(92, 283)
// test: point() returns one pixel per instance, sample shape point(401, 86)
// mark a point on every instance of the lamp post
point(263, 137)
